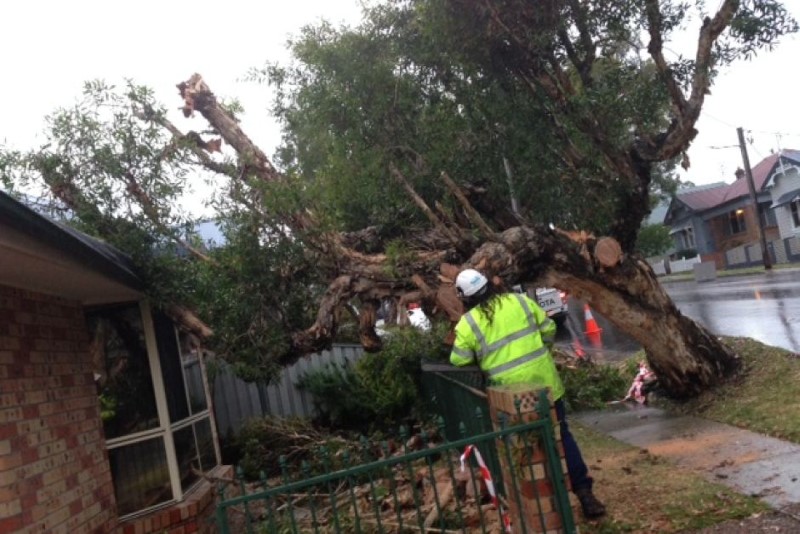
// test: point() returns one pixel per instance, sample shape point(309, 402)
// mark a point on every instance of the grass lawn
point(648, 494)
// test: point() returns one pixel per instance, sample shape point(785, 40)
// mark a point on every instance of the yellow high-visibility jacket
point(514, 347)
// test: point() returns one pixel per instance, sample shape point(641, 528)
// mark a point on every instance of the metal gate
point(434, 489)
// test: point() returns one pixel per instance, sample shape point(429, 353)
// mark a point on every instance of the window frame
point(688, 238)
point(737, 217)
point(794, 211)
point(166, 428)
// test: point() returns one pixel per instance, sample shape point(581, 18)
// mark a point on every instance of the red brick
point(49, 371)
point(11, 524)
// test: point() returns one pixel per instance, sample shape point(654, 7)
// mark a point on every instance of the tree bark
point(687, 358)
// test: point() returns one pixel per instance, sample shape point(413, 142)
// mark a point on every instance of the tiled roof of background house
point(704, 197)
point(760, 174)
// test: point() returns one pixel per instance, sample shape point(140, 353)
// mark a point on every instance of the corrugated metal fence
point(235, 400)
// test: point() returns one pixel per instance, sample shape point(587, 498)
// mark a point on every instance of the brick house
point(105, 418)
point(715, 219)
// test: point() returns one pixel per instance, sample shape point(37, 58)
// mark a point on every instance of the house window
point(688, 238)
point(736, 224)
point(768, 217)
point(153, 404)
point(795, 207)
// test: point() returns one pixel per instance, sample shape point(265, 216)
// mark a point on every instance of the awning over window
point(681, 228)
point(786, 198)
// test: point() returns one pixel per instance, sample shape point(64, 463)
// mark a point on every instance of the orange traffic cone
point(593, 332)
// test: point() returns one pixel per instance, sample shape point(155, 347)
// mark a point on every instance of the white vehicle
point(551, 300)
point(416, 317)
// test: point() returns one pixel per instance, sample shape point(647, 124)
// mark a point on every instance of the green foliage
point(592, 386)
point(108, 407)
point(262, 444)
point(423, 85)
point(654, 240)
point(379, 390)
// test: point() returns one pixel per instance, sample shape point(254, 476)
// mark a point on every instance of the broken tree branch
point(474, 217)
point(422, 205)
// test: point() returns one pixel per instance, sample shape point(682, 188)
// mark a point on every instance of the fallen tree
point(621, 286)
point(558, 89)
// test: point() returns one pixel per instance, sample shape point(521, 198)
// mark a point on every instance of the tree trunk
point(686, 357)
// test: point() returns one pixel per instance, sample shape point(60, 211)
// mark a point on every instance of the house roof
point(706, 197)
point(52, 257)
point(92, 253)
point(761, 173)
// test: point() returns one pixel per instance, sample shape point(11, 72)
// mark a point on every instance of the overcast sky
point(50, 47)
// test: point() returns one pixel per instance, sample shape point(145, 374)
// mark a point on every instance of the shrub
point(261, 442)
point(379, 390)
point(592, 386)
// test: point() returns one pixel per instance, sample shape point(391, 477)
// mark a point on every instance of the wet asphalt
point(747, 462)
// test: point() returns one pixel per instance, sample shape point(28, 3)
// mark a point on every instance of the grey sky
point(51, 46)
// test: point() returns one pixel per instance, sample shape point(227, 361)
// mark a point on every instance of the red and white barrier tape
point(487, 478)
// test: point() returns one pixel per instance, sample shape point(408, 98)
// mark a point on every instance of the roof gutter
point(92, 253)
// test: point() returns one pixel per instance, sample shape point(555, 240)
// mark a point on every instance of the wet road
point(763, 307)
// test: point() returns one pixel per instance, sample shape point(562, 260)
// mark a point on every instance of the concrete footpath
point(745, 461)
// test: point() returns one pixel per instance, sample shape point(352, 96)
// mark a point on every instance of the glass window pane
point(193, 376)
point(122, 370)
point(168, 355)
point(205, 444)
point(140, 474)
point(188, 461)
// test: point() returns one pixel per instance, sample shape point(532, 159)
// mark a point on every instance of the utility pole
point(757, 209)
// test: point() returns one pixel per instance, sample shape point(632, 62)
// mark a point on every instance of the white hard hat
point(470, 282)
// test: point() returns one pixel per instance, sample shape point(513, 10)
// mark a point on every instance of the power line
point(706, 114)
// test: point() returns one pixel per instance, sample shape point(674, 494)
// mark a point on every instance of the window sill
point(194, 514)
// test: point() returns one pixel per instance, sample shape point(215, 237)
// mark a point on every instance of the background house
point(105, 418)
point(720, 223)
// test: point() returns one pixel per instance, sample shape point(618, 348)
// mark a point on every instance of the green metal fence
point(416, 491)
point(458, 394)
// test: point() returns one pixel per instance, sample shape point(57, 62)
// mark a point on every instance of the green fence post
point(325, 455)
point(285, 479)
point(222, 511)
point(349, 480)
point(432, 476)
point(404, 435)
point(366, 458)
point(306, 470)
point(247, 516)
point(393, 488)
point(440, 425)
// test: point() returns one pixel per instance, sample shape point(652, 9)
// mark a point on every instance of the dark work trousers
point(578, 472)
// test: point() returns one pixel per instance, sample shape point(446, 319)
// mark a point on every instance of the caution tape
point(487, 478)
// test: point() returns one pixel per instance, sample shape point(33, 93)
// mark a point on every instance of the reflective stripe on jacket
point(514, 347)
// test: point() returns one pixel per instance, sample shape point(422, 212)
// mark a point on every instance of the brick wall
point(54, 471)
point(194, 514)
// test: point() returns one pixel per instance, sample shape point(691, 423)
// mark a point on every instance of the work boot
point(590, 506)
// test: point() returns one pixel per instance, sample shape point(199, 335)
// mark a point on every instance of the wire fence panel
point(444, 487)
